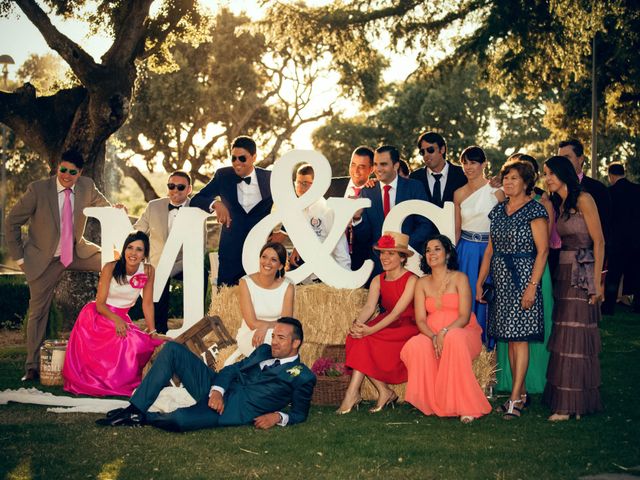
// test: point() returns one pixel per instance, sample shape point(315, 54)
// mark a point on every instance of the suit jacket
point(39, 206)
point(455, 180)
point(250, 392)
point(625, 200)
point(370, 228)
point(601, 196)
point(337, 187)
point(224, 184)
point(154, 221)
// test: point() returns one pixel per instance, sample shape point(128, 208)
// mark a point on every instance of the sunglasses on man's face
point(240, 158)
point(422, 151)
point(180, 186)
point(69, 171)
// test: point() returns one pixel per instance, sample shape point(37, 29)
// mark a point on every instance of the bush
point(14, 300)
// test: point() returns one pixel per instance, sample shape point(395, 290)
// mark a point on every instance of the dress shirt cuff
point(284, 419)
point(355, 223)
point(20, 261)
point(217, 389)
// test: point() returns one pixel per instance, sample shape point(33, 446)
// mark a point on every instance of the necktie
point(66, 237)
point(356, 191)
point(246, 180)
point(386, 200)
point(437, 195)
point(174, 207)
point(273, 365)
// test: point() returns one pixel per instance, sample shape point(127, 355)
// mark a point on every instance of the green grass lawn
point(400, 443)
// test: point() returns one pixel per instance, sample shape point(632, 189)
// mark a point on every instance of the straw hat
point(394, 242)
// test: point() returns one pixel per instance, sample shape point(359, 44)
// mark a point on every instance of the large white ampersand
point(289, 210)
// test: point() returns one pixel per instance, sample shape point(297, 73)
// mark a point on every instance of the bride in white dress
point(265, 296)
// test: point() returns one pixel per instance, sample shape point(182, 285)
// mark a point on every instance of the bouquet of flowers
point(327, 367)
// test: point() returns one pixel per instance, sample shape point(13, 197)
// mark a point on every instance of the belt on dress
point(511, 266)
point(478, 237)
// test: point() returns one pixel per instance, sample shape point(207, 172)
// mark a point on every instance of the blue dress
point(474, 213)
point(514, 254)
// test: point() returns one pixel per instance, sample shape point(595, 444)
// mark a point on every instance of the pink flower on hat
point(139, 280)
point(386, 241)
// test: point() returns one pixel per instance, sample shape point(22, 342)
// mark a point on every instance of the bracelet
point(533, 283)
point(153, 331)
point(444, 329)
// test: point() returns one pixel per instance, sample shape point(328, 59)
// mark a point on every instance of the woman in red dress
point(373, 345)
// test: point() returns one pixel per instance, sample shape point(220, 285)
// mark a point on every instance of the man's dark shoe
point(124, 418)
point(31, 376)
point(114, 412)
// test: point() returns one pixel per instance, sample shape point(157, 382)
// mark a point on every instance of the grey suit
point(155, 223)
point(39, 206)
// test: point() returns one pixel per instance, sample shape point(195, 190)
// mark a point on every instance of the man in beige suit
point(43, 207)
point(156, 221)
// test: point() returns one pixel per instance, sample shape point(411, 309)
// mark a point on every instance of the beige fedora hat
point(395, 242)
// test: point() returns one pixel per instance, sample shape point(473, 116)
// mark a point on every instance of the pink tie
point(356, 191)
point(386, 200)
point(66, 239)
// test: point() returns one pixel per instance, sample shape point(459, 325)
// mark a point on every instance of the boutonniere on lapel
point(295, 371)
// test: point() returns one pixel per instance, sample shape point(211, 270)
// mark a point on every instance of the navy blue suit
point(225, 185)
point(369, 230)
point(249, 391)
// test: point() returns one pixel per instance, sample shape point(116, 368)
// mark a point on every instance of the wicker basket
point(331, 390)
point(52, 355)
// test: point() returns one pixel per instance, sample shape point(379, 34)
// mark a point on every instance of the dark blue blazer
point(455, 179)
point(416, 226)
point(251, 392)
point(224, 184)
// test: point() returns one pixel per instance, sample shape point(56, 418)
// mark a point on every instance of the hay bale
point(223, 354)
point(485, 368)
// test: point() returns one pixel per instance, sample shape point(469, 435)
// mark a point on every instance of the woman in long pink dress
point(441, 380)
point(373, 345)
point(106, 351)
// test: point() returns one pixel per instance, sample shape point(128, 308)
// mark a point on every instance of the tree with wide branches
point(85, 116)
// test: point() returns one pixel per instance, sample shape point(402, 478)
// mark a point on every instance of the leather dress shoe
point(114, 412)
point(125, 418)
point(31, 376)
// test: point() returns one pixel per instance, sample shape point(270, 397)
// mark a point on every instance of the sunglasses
point(66, 170)
point(181, 187)
point(240, 158)
point(422, 151)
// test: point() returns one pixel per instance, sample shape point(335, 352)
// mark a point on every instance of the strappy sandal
point(502, 408)
point(512, 410)
point(466, 419)
point(526, 400)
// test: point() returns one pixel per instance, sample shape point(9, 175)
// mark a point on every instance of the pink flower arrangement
point(139, 280)
point(327, 367)
point(386, 241)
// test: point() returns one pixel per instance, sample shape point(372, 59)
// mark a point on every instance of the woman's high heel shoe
point(526, 400)
point(355, 405)
point(391, 401)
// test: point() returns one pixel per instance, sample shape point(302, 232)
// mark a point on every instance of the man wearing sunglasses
point(245, 199)
point(54, 210)
point(156, 221)
point(439, 177)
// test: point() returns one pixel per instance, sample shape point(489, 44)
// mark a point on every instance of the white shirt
point(443, 180)
point(392, 192)
point(249, 195)
point(61, 190)
point(320, 218)
point(350, 192)
point(173, 214)
point(284, 417)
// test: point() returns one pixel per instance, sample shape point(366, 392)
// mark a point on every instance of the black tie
point(174, 207)
point(273, 365)
point(437, 195)
point(246, 180)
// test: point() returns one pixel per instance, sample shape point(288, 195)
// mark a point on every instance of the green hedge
point(14, 300)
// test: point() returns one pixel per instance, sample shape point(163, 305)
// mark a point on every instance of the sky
point(19, 38)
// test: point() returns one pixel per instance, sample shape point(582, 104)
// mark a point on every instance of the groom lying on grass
point(254, 390)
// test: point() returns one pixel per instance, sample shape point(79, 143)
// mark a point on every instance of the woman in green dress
point(535, 379)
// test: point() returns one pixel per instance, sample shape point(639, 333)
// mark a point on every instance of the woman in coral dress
point(439, 359)
point(373, 346)
point(106, 351)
